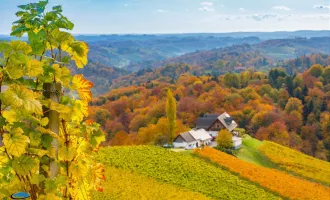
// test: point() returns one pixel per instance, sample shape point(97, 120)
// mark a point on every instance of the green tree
point(48, 147)
point(171, 114)
point(224, 139)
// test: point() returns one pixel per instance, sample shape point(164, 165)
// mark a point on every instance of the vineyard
point(284, 184)
point(123, 185)
point(297, 162)
point(183, 171)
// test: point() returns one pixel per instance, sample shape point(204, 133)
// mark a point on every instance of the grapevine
point(48, 146)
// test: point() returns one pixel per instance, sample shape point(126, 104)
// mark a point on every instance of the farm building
point(213, 123)
point(192, 139)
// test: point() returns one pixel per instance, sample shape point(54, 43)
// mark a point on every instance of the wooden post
point(53, 92)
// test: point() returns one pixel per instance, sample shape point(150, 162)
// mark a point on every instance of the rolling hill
point(149, 172)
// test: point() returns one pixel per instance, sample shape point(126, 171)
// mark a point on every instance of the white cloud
point(260, 17)
point(241, 9)
point(281, 8)
point(322, 7)
point(161, 11)
point(207, 9)
point(207, 3)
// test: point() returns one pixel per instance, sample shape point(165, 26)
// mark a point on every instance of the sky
point(183, 16)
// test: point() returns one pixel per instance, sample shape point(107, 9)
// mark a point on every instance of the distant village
point(206, 130)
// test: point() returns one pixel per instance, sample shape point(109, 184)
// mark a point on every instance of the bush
point(224, 139)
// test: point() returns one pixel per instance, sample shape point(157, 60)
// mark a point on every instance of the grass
point(250, 153)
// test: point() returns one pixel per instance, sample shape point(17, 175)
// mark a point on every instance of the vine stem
point(67, 146)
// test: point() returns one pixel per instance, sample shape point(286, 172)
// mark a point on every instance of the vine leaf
point(34, 68)
point(83, 87)
point(37, 179)
point(96, 137)
point(16, 142)
point(62, 74)
point(10, 116)
point(23, 165)
point(38, 152)
point(80, 110)
point(78, 51)
point(66, 154)
point(20, 97)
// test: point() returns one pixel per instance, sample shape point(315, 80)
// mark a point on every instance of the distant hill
point(258, 55)
point(280, 49)
point(125, 51)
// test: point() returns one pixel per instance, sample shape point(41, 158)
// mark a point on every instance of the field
point(249, 152)
point(297, 163)
point(179, 170)
point(277, 181)
point(125, 185)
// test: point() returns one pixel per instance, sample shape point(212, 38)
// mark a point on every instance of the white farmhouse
point(192, 139)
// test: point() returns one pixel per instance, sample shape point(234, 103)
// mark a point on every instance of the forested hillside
point(290, 110)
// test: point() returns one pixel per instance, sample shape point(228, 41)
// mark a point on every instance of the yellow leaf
point(20, 97)
point(66, 154)
point(62, 75)
point(10, 116)
point(83, 87)
point(80, 110)
point(78, 51)
point(15, 142)
point(18, 45)
point(49, 196)
point(34, 68)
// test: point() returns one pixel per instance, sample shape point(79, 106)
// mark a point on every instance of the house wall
point(237, 142)
point(216, 126)
point(213, 133)
point(180, 144)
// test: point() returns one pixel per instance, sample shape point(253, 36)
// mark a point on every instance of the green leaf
point(66, 154)
point(37, 179)
point(96, 137)
point(15, 142)
point(23, 165)
point(37, 41)
point(20, 13)
point(46, 141)
point(35, 138)
point(19, 31)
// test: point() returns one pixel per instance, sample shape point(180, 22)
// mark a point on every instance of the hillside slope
point(181, 170)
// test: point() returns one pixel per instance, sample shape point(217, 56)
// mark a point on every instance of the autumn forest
point(292, 110)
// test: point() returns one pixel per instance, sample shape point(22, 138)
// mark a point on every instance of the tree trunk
point(53, 92)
